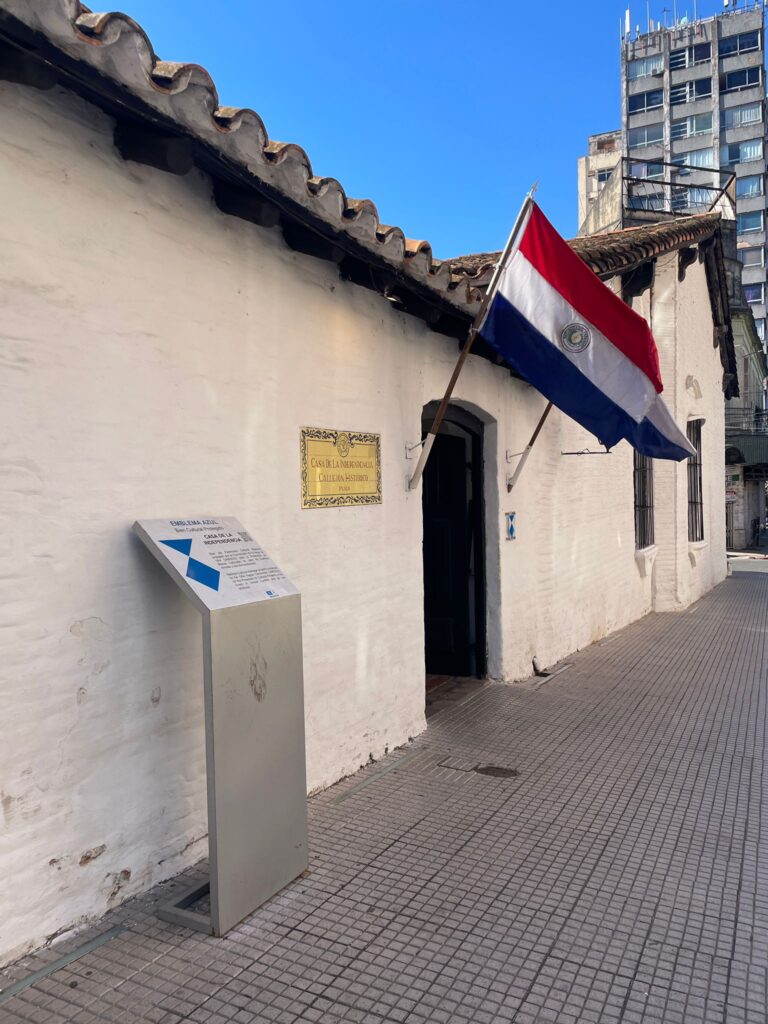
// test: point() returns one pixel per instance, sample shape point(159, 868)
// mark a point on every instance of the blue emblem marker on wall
point(197, 571)
point(511, 525)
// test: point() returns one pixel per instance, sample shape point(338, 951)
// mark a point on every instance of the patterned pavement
point(613, 866)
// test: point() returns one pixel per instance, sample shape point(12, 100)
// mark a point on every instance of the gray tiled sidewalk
point(621, 875)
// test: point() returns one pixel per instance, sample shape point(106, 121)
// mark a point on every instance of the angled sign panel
point(214, 560)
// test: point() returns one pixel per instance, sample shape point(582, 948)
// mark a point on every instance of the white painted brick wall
point(159, 359)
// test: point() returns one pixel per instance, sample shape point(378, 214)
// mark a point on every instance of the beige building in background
point(604, 154)
point(181, 297)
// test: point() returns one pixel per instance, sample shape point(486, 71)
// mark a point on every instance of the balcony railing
point(746, 420)
point(678, 190)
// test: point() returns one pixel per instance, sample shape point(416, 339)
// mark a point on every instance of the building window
point(746, 223)
point(604, 175)
point(742, 43)
point(734, 81)
point(646, 169)
point(736, 117)
point(643, 101)
point(695, 488)
point(741, 152)
point(760, 327)
point(644, 537)
point(645, 66)
point(753, 293)
point(685, 198)
point(645, 136)
point(750, 185)
point(687, 92)
point(696, 124)
point(696, 158)
point(690, 55)
point(752, 256)
point(654, 201)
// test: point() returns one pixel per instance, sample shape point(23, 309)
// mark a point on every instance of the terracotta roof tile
point(115, 46)
point(617, 251)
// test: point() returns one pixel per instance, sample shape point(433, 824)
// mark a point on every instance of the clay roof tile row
point(117, 47)
point(617, 251)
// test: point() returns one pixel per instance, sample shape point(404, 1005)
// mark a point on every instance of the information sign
point(216, 559)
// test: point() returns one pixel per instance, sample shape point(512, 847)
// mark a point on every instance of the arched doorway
point(454, 547)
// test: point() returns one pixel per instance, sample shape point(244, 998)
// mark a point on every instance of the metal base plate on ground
point(176, 911)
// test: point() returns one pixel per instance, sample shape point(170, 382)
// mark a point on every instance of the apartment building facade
point(693, 139)
point(693, 113)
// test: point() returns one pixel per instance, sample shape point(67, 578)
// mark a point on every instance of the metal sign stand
point(254, 715)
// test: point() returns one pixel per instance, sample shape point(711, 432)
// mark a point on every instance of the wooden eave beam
point(23, 69)
point(167, 152)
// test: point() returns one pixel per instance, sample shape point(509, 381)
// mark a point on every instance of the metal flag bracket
point(512, 480)
point(588, 451)
point(410, 449)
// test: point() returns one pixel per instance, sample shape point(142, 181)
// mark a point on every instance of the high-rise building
point(693, 140)
point(693, 114)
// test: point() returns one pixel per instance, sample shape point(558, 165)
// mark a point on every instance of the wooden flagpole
point(473, 332)
point(524, 457)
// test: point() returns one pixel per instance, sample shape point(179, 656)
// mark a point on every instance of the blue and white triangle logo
point(197, 571)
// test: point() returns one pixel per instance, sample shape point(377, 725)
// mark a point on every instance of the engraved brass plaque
point(339, 467)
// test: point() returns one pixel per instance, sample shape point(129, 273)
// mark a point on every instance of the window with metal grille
point(696, 124)
point(643, 101)
point(695, 489)
point(646, 135)
point(742, 43)
point(690, 55)
point(736, 117)
point(688, 92)
point(643, 501)
point(735, 81)
point(644, 66)
point(741, 152)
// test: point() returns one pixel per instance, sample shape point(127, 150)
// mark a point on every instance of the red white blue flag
point(556, 323)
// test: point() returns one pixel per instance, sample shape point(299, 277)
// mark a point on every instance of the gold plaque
point(339, 467)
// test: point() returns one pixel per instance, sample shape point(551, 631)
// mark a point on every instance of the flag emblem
point(576, 338)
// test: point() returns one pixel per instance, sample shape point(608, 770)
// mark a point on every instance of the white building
point(180, 297)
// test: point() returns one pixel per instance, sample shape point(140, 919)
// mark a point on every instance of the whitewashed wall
point(158, 359)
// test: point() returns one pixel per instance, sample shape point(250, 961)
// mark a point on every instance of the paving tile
point(620, 876)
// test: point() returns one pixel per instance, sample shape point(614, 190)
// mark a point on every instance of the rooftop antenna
point(665, 12)
point(648, 10)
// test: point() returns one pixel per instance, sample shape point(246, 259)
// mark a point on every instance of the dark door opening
point(454, 547)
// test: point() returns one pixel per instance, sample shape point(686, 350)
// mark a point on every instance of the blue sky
point(442, 113)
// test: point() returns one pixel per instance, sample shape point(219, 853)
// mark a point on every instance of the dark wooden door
point(447, 557)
